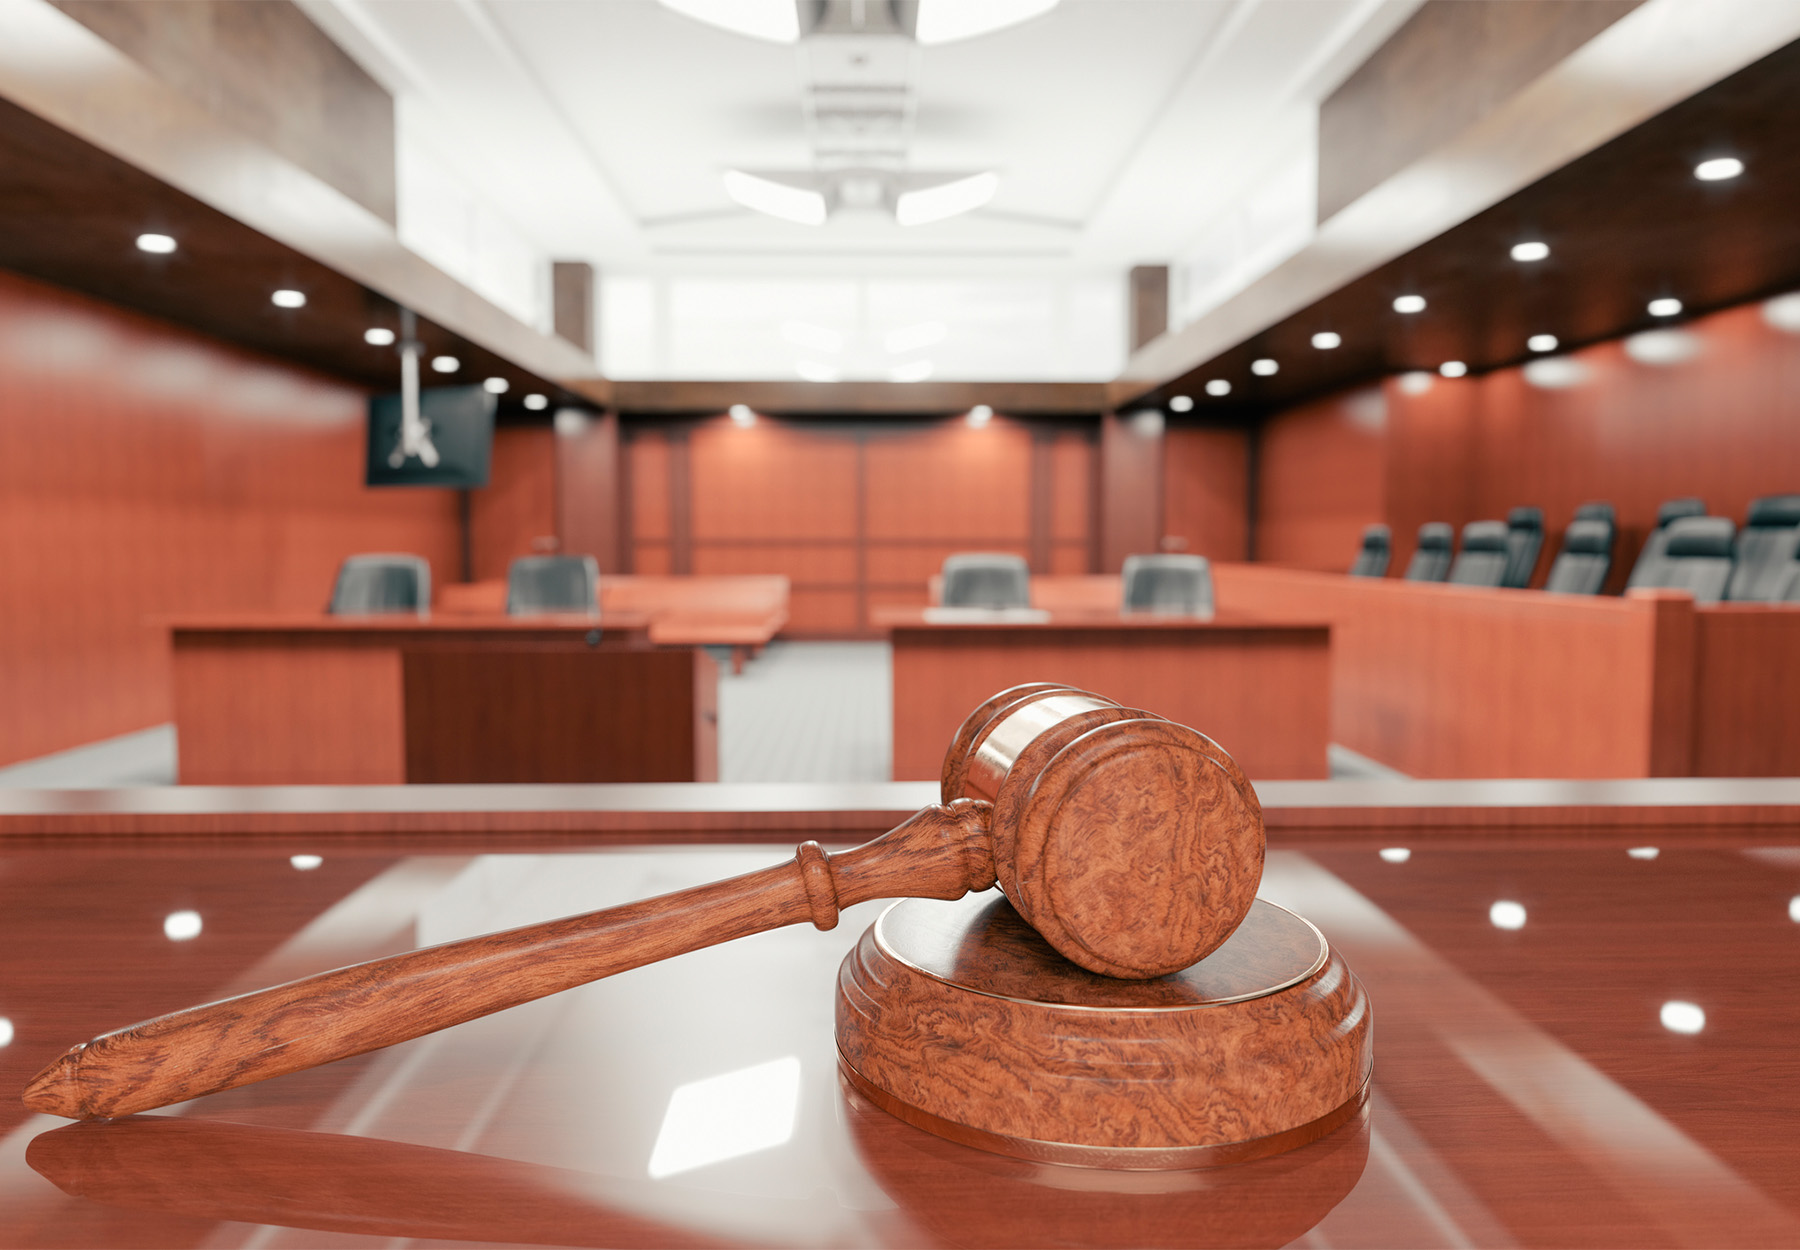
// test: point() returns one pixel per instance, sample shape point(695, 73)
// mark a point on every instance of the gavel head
point(1132, 844)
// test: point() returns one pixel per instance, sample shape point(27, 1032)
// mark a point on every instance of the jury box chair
point(986, 579)
point(1373, 556)
point(1524, 541)
point(1485, 557)
point(1697, 557)
point(540, 584)
point(381, 584)
point(1763, 555)
point(1167, 585)
point(1431, 558)
point(1652, 560)
point(1580, 568)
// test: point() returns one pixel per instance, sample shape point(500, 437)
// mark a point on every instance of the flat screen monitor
point(452, 448)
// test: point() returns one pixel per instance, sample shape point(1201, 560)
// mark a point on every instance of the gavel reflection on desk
point(1133, 846)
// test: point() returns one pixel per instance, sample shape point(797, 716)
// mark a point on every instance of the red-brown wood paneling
point(515, 514)
point(949, 481)
point(146, 470)
point(589, 485)
point(1319, 481)
point(1206, 491)
point(1131, 482)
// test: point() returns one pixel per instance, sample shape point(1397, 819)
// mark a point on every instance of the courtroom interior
point(1252, 546)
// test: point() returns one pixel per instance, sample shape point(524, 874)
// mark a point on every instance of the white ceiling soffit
point(1656, 56)
point(1118, 128)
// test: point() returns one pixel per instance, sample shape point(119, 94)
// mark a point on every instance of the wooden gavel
point(1132, 844)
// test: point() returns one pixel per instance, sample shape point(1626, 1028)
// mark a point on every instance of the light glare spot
point(288, 299)
point(1643, 852)
point(1542, 342)
point(1718, 169)
point(306, 863)
point(1680, 1017)
point(1181, 403)
point(1507, 914)
point(979, 416)
point(1396, 854)
point(537, 403)
point(181, 926)
point(1530, 251)
point(1453, 368)
point(6, 1032)
point(157, 244)
point(1667, 306)
point(1415, 383)
point(741, 416)
point(1794, 909)
point(727, 1117)
point(1409, 304)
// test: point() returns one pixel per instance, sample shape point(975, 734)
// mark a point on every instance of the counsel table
point(1261, 689)
point(348, 700)
point(1525, 1092)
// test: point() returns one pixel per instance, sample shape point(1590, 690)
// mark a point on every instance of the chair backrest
point(1697, 557)
point(1431, 558)
point(1599, 510)
point(374, 585)
point(536, 584)
point(985, 579)
point(1585, 559)
point(1377, 550)
point(1765, 549)
point(1485, 556)
point(1524, 540)
point(1171, 585)
point(1649, 567)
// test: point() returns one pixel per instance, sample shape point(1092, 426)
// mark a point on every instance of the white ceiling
point(1121, 129)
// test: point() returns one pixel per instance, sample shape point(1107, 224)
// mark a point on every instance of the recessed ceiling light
point(1395, 854)
point(181, 926)
point(1181, 403)
point(1541, 342)
point(1668, 306)
point(947, 199)
point(1218, 387)
point(288, 299)
point(776, 199)
point(979, 416)
point(1409, 303)
point(941, 21)
point(445, 364)
point(160, 244)
point(1507, 914)
point(1325, 340)
point(1680, 1017)
point(741, 415)
point(1718, 169)
point(1530, 251)
point(496, 386)
point(1264, 368)
point(778, 21)
point(1453, 368)
point(378, 337)
point(537, 403)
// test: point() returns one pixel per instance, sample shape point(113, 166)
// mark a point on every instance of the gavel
point(1133, 845)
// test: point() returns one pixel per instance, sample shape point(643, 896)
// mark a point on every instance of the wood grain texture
point(590, 500)
point(1131, 482)
point(1746, 717)
point(1260, 1048)
point(1319, 482)
point(941, 852)
point(1206, 491)
point(1261, 690)
point(515, 514)
point(177, 475)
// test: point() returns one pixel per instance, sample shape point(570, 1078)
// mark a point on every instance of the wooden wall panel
point(947, 480)
point(1131, 480)
point(1072, 486)
point(589, 483)
point(146, 470)
point(1206, 491)
point(515, 514)
point(772, 481)
point(1320, 481)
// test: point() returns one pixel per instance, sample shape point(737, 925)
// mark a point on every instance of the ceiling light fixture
point(776, 199)
point(1325, 340)
point(1181, 403)
point(496, 386)
point(158, 244)
point(741, 416)
point(445, 364)
point(1668, 306)
point(1453, 368)
point(1264, 368)
point(911, 371)
point(777, 21)
point(1542, 342)
point(947, 199)
point(537, 403)
point(979, 416)
point(288, 299)
point(378, 336)
point(912, 338)
point(1718, 169)
point(1531, 251)
point(944, 21)
point(1218, 387)
point(1409, 304)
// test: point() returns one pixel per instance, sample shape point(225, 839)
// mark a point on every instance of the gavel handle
point(939, 853)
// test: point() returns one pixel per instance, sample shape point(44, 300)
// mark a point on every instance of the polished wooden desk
point(372, 700)
point(1261, 689)
point(1525, 1092)
point(1454, 681)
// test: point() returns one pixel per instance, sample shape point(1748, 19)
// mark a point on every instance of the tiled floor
point(801, 711)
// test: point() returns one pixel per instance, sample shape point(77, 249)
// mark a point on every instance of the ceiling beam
point(862, 398)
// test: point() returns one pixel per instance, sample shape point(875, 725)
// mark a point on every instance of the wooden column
point(590, 505)
point(572, 302)
point(1131, 474)
point(1149, 303)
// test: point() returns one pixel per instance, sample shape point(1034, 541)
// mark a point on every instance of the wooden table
point(1262, 690)
point(1525, 1091)
point(372, 700)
